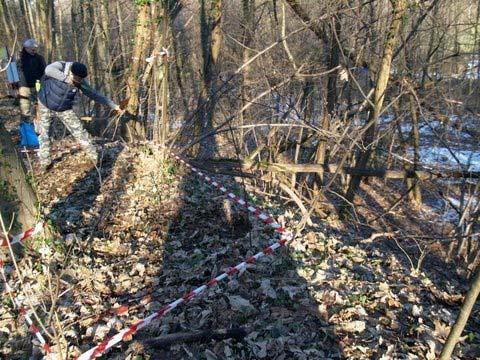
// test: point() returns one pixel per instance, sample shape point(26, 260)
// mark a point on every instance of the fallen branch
point(296, 200)
point(378, 235)
point(165, 341)
point(244, 166)
point(382, 173)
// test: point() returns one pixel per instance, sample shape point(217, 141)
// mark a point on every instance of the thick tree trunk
point(134, 128)
point(211, 40)
point(13, 174)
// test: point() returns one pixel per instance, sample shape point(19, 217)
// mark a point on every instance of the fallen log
point(241, 168)
point(165, 341)
point(382, 173)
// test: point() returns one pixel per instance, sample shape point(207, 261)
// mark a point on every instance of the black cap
point(79, 69)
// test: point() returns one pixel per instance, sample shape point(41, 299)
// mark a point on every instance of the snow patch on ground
point(451, 158)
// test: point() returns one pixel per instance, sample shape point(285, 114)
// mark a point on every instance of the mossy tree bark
point(13, 179)
point(134, 128)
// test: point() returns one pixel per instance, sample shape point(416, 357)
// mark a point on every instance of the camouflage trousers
point(74, 126)
point(27, 101)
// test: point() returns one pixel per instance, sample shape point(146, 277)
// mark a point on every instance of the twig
point(27, 298)
point(194, 336)
point(378, 235)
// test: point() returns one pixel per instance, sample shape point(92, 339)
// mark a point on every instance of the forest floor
point(142, 232)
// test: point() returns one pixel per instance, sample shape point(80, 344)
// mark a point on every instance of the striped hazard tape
point(127, 333)
point(33, 328)
point(19, 238)
point(24, 236)
point(267, 219)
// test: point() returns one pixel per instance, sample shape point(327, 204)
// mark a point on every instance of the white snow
point(441, 157)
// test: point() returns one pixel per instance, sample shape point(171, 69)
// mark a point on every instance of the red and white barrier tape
point(25, 235)
point(18, 239)
point(33, 328)
point(267, 219)
point(140, 324)
point(126, 333)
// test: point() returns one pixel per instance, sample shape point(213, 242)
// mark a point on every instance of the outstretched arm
point(96, 96)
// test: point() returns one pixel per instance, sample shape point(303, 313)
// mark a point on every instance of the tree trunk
point(91, 22)
point(134, 128)
point(60, 39)
point(6, 20)
point(211, 40)
point(46, 27)
point(103, 47)
point(32, 24)
point(52, 30)
point(96, 16)
point(369, 130)
point(123, 47)
point(160, 74)
point(248, 13)
point(333, 62)
point(462, 318)
point(333, 49)
point(13, 174)
point(415, 196)
point(77, 19)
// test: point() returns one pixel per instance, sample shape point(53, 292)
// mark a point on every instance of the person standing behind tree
point(31, 68)
point(60, 85)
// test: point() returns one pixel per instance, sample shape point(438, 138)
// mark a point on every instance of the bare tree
point(369, 130)
point(211, 41)
point(134, 129)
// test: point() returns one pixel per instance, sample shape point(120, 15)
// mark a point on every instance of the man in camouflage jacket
point(61, 83)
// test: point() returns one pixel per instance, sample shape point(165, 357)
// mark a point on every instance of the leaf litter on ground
point(151, 232)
